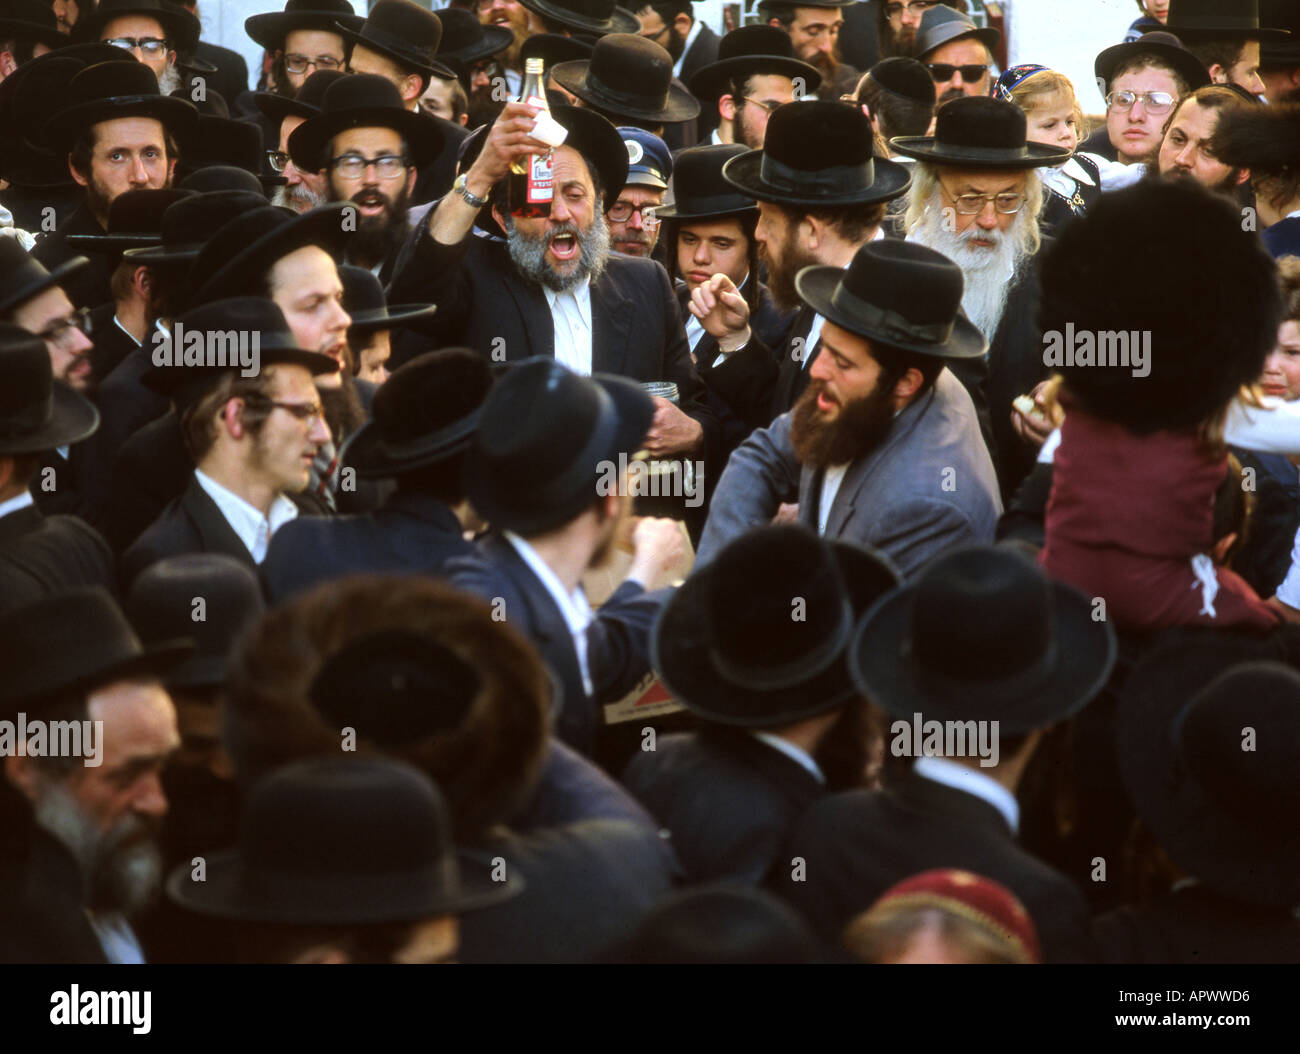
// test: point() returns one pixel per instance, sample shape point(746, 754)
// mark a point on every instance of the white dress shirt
point(831, 480)
point(814, 335)
point(118, 323)
point(253, 529)
point(573, 606)
point(120, 944)
point(18, 501)
point(794, 753)
point(571, 319)
point(963, 778)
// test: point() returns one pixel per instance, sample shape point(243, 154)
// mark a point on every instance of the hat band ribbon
point(1223, 22)
point(1024, 681)
point(712, 203)
point(422, 54)
point(977, 153)
point(651, 102)
point(889, 323)
point(434, 441)
point(840, 179)
point(796, 671)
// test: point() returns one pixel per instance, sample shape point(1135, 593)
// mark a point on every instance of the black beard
point(378, 237)
point(901, 43)
point(780, 276)
point(676, 43)
point(482, 108)
point(862, 425)
point(343, 410)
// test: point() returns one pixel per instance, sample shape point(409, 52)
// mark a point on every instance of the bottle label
point(541, 167)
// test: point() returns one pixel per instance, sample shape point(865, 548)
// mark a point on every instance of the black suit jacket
point(89, 287)
point(112, 342)
point(28, 205)
point(1015, 366)
point(231, 78)
point(65, 486)
point(436, 178)
point(702, 52)
point(150, 469)
point(728, 799)
point(857, 844)
point(41, 555)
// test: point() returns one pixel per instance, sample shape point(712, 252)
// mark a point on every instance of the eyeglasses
point(278, 158)
point(309, 412)
point(353, 166)
point(151, 46)
point(943, 71)
point(621, 211)
point(916, 7)
point(766, 107)
point(60, 330)
point(301, 63)
point(973, 204)
point(1154, 101)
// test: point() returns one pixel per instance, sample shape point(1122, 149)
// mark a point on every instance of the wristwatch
point(461, 187)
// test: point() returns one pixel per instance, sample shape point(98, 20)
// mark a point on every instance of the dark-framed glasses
point(151, 46)
point(278, 159)
point(353, 166)
point(301, 63)
point(943, 71)
point(621, 212)
point(60, 330)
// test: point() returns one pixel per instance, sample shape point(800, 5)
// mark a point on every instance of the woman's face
point(1281, 377)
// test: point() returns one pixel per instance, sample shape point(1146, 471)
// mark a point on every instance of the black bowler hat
point(1194, 20)
point(162, 606)
point(941, 24)
point(37, 412)
point(28, 98)
point(553, 49)
point(752, 50)
point(31, 20)
point(628, 76)
point(179, 26)
point(1227, 811)
point(270, 29)
point(363, 100)
point(189, 224)
point(931, 647)
point(817, 154)
point(586, 16)
point(22, 276)
point(465, 40)
point(545, 436)
point(212, 178)
point(403, 32)
point(366, 305)
point(108, 91)
point(134, 221)
point(700, 191)
point(1166, 46)
point(235, 259)
point(305, 104)
point(428, 417)
point(1284, 52)
point(902, 294)
point(76, 640)
point(979, 132)
point(342, 841)
point(227, 142)
point(758, 638)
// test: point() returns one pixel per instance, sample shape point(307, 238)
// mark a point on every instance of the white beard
point(170, 80)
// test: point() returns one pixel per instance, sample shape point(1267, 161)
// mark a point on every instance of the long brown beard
point(781, 273)
point(343, 410)
point(861, 426)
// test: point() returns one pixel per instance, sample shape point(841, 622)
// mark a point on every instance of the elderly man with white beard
point(975, 198)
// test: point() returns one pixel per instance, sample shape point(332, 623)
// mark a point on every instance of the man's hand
point(1035, 427)
point(1285, 610)
point(659, 546)
point(672, 432)
point(722, 312)
point(787, 513)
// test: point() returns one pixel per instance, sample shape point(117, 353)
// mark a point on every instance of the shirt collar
point(18, 501)
point(690, 39)
point(118, 323)
point(796, 754)
point(246, 520)
point(573, 606)
point(581, 293)
point(963, 778)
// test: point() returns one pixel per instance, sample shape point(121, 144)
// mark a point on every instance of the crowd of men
point(940, 459)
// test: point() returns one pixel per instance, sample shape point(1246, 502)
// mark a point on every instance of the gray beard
point(529, 253)
point(170, 80)
point(298, 198)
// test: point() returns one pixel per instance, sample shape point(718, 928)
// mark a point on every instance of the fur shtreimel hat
point(1264, 139)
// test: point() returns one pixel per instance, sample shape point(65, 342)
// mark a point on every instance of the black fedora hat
point(1194, 20)
point(22, 276)
point(817, 154)
point(544, 434)
point(188, 224)
point(1166, 46)
point(213, 178)
point(134, 221)
point(305, 104)
point(31, 20)
point(465, 40)
point(227, 142)
point(74, 640)
point(941, 24)
point(363, 100)
point(591, 135)
point(752, 50)
point(161, 607)
point(365, 303)
point(342, 841)
point(233, 261)
point(28, 98)
point(37, 412)
point(553, 49)
point(404, 32)
point(700, 192)
point(902, 294)
point(979, 132)
point(905, 78)
point(179, 26)
point(931, 648)
point(270, 29)
point(108, 91)
point(1280, 52)
point(430, 415)
point(728, 647)
point(586, 16)
point(1227, 814)
point(628, 76)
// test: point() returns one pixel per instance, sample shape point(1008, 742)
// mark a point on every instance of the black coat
point(231, 79)
point(857, 844)
point(728, 799)
point(435, 179)
point(89, 287)
point(149, 470)
point(112, 342)
point(1015, 366)
point(67, 486)
point(29, 204)
point(41, 555)
point(409, 533)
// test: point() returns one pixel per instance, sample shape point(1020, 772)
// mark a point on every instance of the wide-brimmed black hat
point(37, 412)
point(817, 154)
point(979, 132)
point(108, 91)
point(905, 78)
point(729, 646)
point(629, 76)
point(22, 276)
point(1226, 810)
point(234, 258)
point(342, 841)
point(1165, 45)
point(404, 32)
point(902, 294)
point(31, 20)
point(941, 24)
point(363, 100)
point(179, 26)
point(161, 606)
point(587, 16)
point(305, 104)
point(465, 40)
point(189, 224)
point(428, 417)
point(270, 29)
point(74, 640)
point(931, 648)
point(553, 49)
point(700, 192)
point(134, 221)
point(1195, 20)
point(752, 50)
point(544, 435)
point(367, 306)
point(28, 98)
point(1280, 52)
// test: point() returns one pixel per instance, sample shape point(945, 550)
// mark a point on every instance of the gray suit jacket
point(928, 488)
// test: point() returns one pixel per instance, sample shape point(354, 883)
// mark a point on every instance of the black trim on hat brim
point(673, 212)
point(11, 297)
point(884, 671)
point(270, 29)
point(73, 418)
point(681, 104)
point(372, 458)
point(709, 81)
point(372, 321)
point(275, 108)
point(986, 36)
point(495, 39)
point(926, 148)
point(621, 20)
point(194, 64)
point(167, 381)
point(744, 172)
point(111, 243)
point(429, 69)
point(153, 661)
point(17, 28)
point(423, 138)
point(1204, 841)
point(176, 115)
point(1187, 65)
point(815, 286)
point(1223, 33)
point(156, 254)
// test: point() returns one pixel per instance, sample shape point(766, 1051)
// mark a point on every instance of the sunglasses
point(943, 71)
